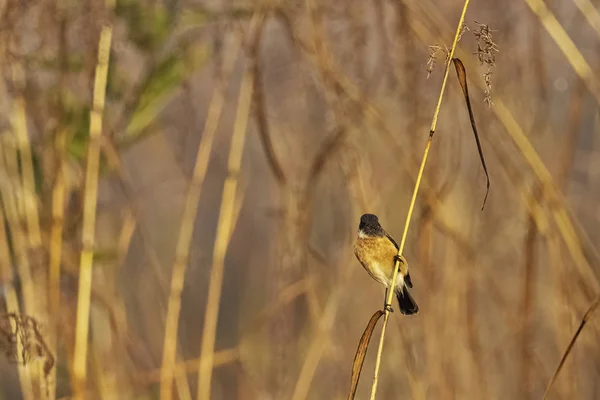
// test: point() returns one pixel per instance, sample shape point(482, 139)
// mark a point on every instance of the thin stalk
point(56, 233)
point(414, 198)
point(528, 151)
point(89, 211)
point(24, 198)
point(567, 46)
point(12, 302)
point(19, 126)
point(588, 10)
point(220, 358)
point(584, 320)
point(224, 228)
point(186, 231)
point(30, 208)
point(315, 351)
point(10, 195)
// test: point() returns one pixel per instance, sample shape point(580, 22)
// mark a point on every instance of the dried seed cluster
point(486, 53)
point(486, 49)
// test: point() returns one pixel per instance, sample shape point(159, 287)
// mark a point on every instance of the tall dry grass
point(233, 162)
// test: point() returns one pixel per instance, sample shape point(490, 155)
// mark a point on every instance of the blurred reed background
point(236, 148)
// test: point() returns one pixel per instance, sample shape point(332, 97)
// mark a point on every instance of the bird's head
point(369, 226)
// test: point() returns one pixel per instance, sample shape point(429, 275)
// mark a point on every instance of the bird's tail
point(408, 306)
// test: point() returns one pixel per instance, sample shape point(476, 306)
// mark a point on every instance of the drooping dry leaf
point(462, 78)
point(361, 352)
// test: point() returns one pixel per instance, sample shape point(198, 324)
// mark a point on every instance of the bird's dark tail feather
point(408, 306)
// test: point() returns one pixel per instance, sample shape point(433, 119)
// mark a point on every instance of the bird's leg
point(387, 307)
point(400, 259)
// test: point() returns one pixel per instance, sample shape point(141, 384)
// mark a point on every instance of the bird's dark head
point(369, 226)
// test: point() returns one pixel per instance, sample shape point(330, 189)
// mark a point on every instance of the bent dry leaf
point(462, 79)
point(361, 352)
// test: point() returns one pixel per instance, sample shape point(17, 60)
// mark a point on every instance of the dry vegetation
point(201, 216)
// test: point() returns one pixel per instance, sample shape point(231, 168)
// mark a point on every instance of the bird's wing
point(407, 279)
point(392, 240)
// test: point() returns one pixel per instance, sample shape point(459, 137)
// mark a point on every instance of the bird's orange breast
point(377, 256)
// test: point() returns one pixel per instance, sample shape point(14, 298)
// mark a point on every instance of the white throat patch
point(362, 235)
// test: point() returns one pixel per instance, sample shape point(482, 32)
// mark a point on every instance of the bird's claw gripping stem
point(400, 259)
point(388, 308)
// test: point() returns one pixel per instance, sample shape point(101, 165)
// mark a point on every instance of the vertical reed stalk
point(56, 232)
point(10, 296)
point(10, 196)
point(19, 126)
point(414, 197)
point(25, 197)
point(224, 228)
point(186, 231)
point(29, 206)
point(89, 211)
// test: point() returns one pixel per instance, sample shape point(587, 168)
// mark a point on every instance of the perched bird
point(377, 251)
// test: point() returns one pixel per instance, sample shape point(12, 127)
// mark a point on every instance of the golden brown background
point(335, 105)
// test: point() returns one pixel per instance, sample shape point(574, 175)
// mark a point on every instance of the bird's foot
point(399, 258)
point(388, 308)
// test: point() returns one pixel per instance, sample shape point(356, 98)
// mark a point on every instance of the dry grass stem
point(12, 302)
point(188, 220)
point(584, 320)
point(56, 242)
point(566, 45)
point(224, 227)
point(89, 211)
point(414, 198)
point(310, 113)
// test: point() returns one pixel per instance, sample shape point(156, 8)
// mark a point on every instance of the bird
point(377, 251)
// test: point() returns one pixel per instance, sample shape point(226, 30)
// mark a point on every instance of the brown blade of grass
point(89, 211)
point(414, 196)
point(186, 231)
point(260, 107)
point(361, 353)
point(462, 78)
point(584, 320)
point(224, 227)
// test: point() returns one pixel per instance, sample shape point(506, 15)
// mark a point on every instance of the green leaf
point(149, 27)
point(161, 85)
point(77, 124)
point(116, 85)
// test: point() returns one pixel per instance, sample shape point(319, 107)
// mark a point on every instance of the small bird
point(377, 251)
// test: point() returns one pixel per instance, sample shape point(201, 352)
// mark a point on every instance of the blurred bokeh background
point(240, 143)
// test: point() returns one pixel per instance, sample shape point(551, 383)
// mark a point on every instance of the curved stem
point(414, 198)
